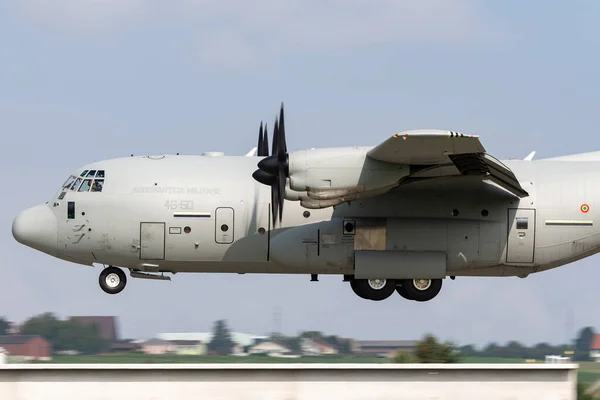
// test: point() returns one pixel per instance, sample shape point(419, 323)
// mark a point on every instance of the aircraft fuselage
point(207, 214)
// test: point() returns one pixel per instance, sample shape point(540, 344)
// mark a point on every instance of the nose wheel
point(112, 280)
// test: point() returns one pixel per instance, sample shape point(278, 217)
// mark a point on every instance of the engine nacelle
point(338, 173)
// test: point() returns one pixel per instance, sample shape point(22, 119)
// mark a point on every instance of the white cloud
point(244, 31)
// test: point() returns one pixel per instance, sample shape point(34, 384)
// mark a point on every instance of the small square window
point(100, 174)
point(522, 223)
point(71, 210)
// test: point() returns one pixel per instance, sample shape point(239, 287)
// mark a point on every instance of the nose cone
point(37, 228)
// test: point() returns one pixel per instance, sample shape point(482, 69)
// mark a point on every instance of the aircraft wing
point(437, 153)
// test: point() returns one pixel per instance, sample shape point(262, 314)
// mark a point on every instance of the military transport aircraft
point(400, 217)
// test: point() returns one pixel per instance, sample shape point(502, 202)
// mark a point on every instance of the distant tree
point(514, 349)
point(583, 343)
point(468, 351)
point(65, 335)
point(429, 350)
point(403, 357)
point(3, 326)
point(221, 342)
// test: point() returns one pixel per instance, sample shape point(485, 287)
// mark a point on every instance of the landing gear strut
point(112, 280)
point(373, 289)
point(419, 289)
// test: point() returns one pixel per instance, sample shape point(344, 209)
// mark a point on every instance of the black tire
point(374, 289)
point(416, 289)
point(402, 292)
point(356, 290)
point(112, 280)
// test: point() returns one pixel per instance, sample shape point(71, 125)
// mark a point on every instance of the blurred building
point(269, 347)
point(384, 348)
point(157, 347)
point(26, 347)
point(189, 347)
point(310, 347)
point(107, 325)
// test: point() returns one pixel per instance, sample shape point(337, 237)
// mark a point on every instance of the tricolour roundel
point(584, 208)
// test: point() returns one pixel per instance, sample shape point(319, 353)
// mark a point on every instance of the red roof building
point(28, 347)
point(595, 347)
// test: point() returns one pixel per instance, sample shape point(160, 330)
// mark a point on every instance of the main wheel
point(374, 289)
point(112, 280)
point(402, 292)
point(420, 289)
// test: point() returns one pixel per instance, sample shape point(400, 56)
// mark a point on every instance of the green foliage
point(581, 395)
point(3, 326)
point(430, 351)
point(221, 342)
point(65, 335)
point(583, 343)
point(513, 349)
point(403, 357)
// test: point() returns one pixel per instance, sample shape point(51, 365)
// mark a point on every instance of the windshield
point(87, 181)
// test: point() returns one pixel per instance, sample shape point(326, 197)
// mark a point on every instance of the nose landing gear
point(112, 280)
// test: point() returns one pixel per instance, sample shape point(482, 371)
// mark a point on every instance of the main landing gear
point(410, 289)
point(112, 280)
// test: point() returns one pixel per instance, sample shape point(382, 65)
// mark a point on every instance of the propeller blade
point(282, 147)
point(274, 202)
point(264, 177)
point(281, 180)
point(260, 140)
point(275, 138)
point(265, 150)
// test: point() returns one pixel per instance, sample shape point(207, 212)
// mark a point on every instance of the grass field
point(183, 359)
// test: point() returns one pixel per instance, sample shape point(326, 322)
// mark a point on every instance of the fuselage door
point(152, 241)
point(224, 220)
point(521, 235)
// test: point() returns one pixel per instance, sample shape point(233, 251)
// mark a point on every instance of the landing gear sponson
point(410, 289)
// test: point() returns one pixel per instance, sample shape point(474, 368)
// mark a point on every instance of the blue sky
point(85, 80)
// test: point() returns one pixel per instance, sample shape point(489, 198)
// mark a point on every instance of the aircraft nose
point(37, 228)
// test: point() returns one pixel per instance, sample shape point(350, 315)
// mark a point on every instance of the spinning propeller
point(273, 170)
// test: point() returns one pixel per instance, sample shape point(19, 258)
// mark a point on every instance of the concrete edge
point(286, 366)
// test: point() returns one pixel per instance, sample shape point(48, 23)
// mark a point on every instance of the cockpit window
point(76, 184)
point(86, 182)
point(69, 182)
point(97, 186)
point(85, 186)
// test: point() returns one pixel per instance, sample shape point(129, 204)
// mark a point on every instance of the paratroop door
point(152, 241)
point(521, 235)
point(224, 225)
